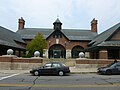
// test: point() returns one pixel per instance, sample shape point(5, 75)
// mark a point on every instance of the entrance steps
point(68, 62)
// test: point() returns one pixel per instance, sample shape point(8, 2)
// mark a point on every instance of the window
point(47, 65)
point(55, 65)
point(58, 65)
point(118, 65)
point(57, 34)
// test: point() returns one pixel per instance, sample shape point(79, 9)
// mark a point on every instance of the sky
point(75, 14)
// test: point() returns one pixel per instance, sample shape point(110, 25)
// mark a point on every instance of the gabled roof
point(102, 40)
point(9, 38)
point(105, 35)
point(71, 34)
point(58, 31)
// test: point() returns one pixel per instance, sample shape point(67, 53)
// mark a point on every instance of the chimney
point(21, 23)
point(94, 25)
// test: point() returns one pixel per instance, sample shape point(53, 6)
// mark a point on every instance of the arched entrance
point(76, 50)
point(57, 51)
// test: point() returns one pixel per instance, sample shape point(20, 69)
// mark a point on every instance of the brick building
point(65, 43)
point(11, 40)
point(106, 45)
point(62, 43)
point(68, 43)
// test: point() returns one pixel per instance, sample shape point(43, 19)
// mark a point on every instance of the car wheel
point(108, 72)
point(99, 73)
point(36, 73)
point(60, 73)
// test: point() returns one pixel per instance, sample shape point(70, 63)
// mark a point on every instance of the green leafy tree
point(37, 44)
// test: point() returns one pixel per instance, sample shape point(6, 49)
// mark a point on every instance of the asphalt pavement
point(93, 81)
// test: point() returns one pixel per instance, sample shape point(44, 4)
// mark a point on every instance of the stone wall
point(9, 62)
point(93, 63)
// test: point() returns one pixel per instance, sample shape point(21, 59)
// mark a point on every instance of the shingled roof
point(71, 34)
point(9, 38)
point(102, 40)
point(104, 36)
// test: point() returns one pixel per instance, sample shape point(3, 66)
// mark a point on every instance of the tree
point(37, 44)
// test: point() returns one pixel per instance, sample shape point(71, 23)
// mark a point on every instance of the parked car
point(51, 68)
point(113, 68)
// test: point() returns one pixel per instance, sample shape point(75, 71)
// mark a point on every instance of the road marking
point(60, 86)
point(9, 76)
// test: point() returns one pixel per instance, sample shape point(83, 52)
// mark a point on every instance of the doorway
point(57, 51)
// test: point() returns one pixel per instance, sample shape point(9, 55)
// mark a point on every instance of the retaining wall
point(10, 62)
point(93, 63)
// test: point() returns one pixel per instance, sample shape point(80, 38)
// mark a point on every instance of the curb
point(83, 72)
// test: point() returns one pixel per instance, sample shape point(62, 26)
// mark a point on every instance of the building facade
point(62, 43)
point(106, 45)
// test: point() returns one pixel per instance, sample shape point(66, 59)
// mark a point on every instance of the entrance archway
point(57, 51)
point(76, 50)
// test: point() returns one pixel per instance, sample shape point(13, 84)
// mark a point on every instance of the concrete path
point(83, 70)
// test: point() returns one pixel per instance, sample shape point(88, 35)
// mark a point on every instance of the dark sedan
point(51, 68)
point(113, 68)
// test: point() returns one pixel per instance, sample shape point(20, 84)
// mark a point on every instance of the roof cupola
point(57, 24)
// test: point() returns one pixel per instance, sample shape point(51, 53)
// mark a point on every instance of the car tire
point(108, 72)
point(60, 73)
point(36, 73)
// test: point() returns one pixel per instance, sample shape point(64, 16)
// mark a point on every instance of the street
point(26, 81)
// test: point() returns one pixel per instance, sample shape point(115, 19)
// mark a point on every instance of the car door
point(117, 69)
point(47, 68)
point(54, 68)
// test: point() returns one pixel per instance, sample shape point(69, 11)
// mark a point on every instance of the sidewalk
point(72, 69)
point(83, 70)
point(13, 71)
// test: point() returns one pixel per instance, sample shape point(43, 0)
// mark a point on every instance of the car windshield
point(110, 65)
point(113, 64)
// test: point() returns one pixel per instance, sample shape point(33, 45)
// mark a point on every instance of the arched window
point(76, 50)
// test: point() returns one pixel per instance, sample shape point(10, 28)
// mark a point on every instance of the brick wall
point(69, 44)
